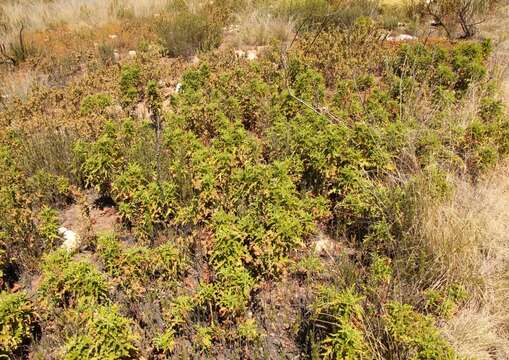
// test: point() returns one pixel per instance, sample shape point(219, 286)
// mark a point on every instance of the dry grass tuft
point(469, 237)
point(19, 84)
point(258, 27)
point(40, 14)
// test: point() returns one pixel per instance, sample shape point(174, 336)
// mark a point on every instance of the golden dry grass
point(42, 15)
point(469, 236)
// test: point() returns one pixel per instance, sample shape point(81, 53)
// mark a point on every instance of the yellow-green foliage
point(65, 281)
point(339, 315)
point(415, 335)
point(95, 104)
point(48, 227)
point(245, 169)
point(129, 84)
point(17, 322)
point(136, 269)
point(105, 335)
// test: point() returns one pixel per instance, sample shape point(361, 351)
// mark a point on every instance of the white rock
point(240, 53)
point(116, 56)
point(131, 54)
point(402, 37)
point(178, 87)
point(142, 111)
point(71, 239)
point(252, 55)
point(113, 37)
point(195, 60)
point(324, 245)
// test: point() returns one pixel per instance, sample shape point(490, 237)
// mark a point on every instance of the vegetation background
point(254, 179)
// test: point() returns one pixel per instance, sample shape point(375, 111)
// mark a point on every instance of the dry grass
point(19, 84)
point(259, 27)
point(41, 14)
point(469, 237)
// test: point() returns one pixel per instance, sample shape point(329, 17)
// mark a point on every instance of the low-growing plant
point(248, 331)
point(17, 322)
point(48, 227)
point(66, 281)
point(94, 104)
point(165, 342)
point(339, 315)
point(106, 335)
point(130, 81)
point(135, 268)
point(415, 335)
point(96, 163)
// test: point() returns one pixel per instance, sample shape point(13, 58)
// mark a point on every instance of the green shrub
point(136, 268)
point(96, 163)
point(94, 104)
point(48, 227)
point(17, 322)
point(143, 204)
point(339, 314)
point(165, 342)
point(106, 335)
point(47, 188)
point(444, 303)
point(130, 81)
point(248, 331)
point(66, 281)
point(416, 335)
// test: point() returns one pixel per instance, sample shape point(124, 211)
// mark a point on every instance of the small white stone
point(132, 54)
point(178, 88)
point(323, 245)
point(240, 53)
point(113, 37)
point(116, 56)
point(402, 37)
point(71, 239)
point(252, 55)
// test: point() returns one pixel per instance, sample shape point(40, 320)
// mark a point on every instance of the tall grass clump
point(187, 30)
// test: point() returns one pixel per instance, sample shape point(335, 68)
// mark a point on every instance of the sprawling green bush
point(95, 104)
point(415, 335)
point(129, 87)
point(106, 335)
point(338, 317)
point(17, 322)
point(66, 281)
point(138, 268)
